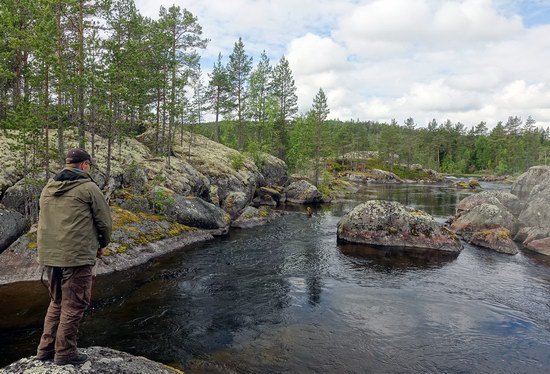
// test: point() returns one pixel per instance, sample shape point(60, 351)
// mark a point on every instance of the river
point(287, 298)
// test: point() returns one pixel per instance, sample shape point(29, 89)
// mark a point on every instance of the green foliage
point(237, 160)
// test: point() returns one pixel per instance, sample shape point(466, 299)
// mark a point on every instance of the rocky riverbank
point(157, 206)
point(100, 361)
point(502, 221)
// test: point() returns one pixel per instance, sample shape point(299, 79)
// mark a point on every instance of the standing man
point(74, 226)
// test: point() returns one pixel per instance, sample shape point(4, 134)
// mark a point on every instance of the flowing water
point(287, 297)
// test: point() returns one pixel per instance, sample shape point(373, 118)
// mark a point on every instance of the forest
point(103, 69)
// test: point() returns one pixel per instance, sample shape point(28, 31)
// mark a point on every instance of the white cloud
point(465, 60)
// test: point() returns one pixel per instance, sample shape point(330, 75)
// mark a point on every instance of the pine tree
point(259, 96)
point(218, 93)
point(238, 69)
point(319, 113)
point(284, 90)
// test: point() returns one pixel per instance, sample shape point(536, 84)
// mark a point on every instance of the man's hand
point(99, 252)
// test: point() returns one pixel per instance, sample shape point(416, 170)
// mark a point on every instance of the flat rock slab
point(100, 361)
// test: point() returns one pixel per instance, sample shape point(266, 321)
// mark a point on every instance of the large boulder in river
point(12, 226)
point(303, 192)
point(528, 180)
point(509, 201)
point(100, 361)
point(484, 217)
point(498, 240)
point(389, 223)
point(193, 211)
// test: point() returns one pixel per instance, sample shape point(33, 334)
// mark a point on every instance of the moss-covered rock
point(391, 224)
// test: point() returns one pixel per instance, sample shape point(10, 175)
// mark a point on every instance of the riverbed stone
point(303, 192)
point(101, 360)
point(498, 240)
point(389, 223)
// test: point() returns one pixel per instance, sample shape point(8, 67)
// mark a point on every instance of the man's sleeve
point(102, 216)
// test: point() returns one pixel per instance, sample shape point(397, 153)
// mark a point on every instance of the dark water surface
point(284, 298)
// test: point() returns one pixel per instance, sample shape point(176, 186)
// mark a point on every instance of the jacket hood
point(66, 180)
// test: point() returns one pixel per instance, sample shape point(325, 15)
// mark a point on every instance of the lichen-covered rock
point(303, 192)
point(100, 361)
point(274, 171)
point(541, 246)
point(508, 200)
point(389, 223)
point(498, 240)
point(537, 211)
point(195, 212)
point(251, 217)
point(23, 196)
point(235, 202)
point(484, 217)
point(135, 179)
point(528, 180)
point(374, 176)
point(226, 168)
point(12, 226)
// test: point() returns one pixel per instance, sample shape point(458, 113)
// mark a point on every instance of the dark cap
point(77, 155)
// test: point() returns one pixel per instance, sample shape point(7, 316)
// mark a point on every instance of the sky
point(462, 60)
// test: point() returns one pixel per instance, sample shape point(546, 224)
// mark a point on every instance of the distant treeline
point(510, 147)
point(100, 67)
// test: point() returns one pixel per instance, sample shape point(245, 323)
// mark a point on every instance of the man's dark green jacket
point(74, 220)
